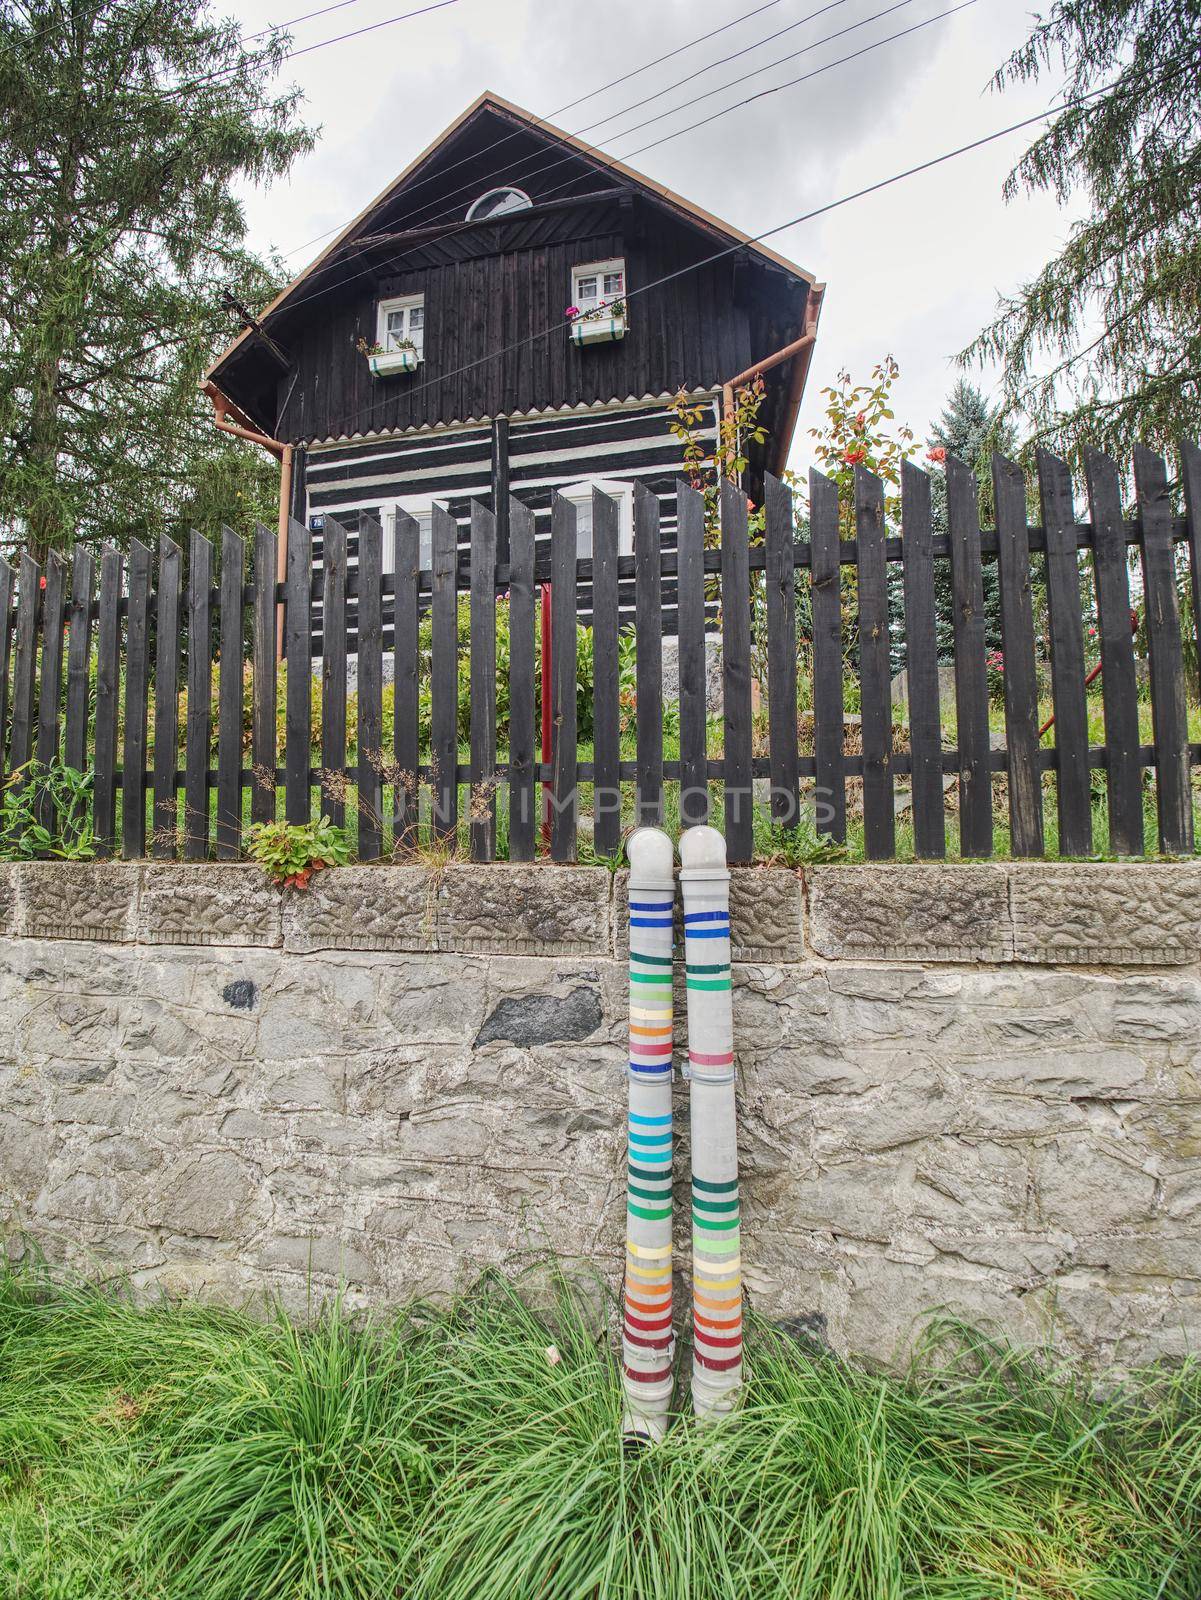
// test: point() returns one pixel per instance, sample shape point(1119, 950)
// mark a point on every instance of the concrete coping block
point(534, 909)
point(911, 911)
point(1106, 913)
point(380, 907)
point(765, 915)
point(217, 903)
point(78, 900)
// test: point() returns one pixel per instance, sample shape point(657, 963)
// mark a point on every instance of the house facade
point(515, 314)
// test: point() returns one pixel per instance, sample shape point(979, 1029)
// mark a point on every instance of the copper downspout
point(802, 347)
point(223, 409)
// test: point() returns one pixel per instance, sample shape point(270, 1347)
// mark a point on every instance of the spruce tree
point(124, 128)
point(1104, 345)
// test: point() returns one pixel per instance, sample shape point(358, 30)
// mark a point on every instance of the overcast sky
point(915, 270)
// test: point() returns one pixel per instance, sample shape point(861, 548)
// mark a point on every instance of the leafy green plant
point(46, 811)
point(290, 852)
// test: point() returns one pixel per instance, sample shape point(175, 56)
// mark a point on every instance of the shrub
point(290, 852)
point(46, 811)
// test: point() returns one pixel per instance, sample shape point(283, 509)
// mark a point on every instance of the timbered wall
point(631, 444)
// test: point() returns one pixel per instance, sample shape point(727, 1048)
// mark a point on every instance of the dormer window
point(401, 323)
point(498, 203)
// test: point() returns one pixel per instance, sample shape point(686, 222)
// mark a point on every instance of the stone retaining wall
point(970, 1087)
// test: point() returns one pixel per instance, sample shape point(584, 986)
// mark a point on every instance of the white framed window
point(597, 284)
point(498, 203)
point(400, 319)
point(580, 495)
point(421, 508)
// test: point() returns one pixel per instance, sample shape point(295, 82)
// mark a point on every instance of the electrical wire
point(592, 93)
point(758, 238)
point(394, 261)
point(280, 27)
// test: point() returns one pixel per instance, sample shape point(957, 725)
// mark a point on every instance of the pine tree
point(1104, 345)
point(123, 129)
point(971, 429)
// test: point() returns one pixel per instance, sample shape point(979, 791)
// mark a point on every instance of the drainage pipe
point(647, 1340)
point(716, 1260)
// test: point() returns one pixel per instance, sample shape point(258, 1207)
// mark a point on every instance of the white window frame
point(580, 494)
point(597, 269)
point(406, 303)
point(500, 188)
point(420, 506)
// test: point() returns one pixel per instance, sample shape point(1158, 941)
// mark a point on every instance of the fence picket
point(522, 790)
point(165, 811)
point(482, 792)
point(875, 678)
point(371, 690)
point(200, 689)
point(1073, 784)
point(263, 738)
point(564, 544)
point(1173, 797)
point(826, 611)
point(606, 734)
point(137, 692)
point(444, 676)
point(736, 675)
point(1119, 687)
point(108, 667)
point(648, 630)
point(1190, 472)
point(25, 653)
point(229, 703)
point(406, 702)
point(298, 645)
point(690, 602)
point(780, 556)
point(1020, 673)
point(921, 666)
point(971, 675)
point(333, 671)
point(79, 660)
point(8, 579)
point(50, 676)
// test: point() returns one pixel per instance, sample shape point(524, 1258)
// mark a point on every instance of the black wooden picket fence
point(68, 654)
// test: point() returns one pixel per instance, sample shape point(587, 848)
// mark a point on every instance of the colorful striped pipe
point(716, 1268)
point(648, 1342)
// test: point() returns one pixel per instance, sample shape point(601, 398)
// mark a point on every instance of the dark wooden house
point(461, 271)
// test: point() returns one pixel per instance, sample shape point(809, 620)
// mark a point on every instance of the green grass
point(187, 1452)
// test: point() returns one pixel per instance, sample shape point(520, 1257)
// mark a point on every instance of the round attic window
point(498, 203)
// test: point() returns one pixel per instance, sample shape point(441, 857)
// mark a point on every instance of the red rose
point(938, 453)
point(853, 457)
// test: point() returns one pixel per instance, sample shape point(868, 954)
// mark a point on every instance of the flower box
point(597, 330)
point(387, 363)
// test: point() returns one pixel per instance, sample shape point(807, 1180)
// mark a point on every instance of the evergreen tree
point(971, 429)
point(123, 129)
point(1104, 345)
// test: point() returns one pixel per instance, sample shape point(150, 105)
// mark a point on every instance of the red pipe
point(546, 739)
point(1094, 674)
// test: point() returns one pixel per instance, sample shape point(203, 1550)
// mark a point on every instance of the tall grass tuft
point(473, 1450)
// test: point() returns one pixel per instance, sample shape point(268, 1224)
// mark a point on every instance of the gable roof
point(514, 113)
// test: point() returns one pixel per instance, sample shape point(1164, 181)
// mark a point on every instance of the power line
point(592, 93)
point(828, 66)
point(279, 27)
point(767, 233)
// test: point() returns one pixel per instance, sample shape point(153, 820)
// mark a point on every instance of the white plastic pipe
point(648, 1342)
point(716, 1260)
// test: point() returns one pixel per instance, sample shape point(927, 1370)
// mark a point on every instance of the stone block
point(8, 899)
point(78, 900)
point(1106, 913)
point(535, 910)
point(916, 911)
point(362, 908)
point(213, 903)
